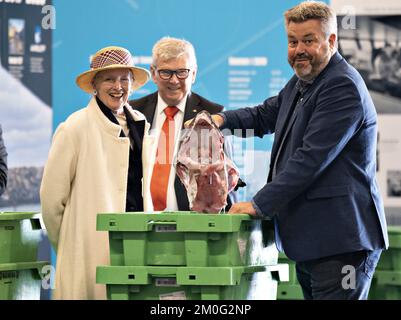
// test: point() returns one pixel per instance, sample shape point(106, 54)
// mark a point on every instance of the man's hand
point(219, 120)
point(243, 207)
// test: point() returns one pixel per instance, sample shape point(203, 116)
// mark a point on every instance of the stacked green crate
point(187, 283)
point(386, 283)
point(290, 290)
point(147, 247)
point(21, 281)
point(20, 273)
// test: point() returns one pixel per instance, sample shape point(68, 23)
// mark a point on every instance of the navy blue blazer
point(324, 198)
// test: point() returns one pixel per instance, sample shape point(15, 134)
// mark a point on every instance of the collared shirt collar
point(106, 111)
point(163, 105)
point(303, 86)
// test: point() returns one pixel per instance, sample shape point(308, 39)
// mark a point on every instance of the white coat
point(86, 173)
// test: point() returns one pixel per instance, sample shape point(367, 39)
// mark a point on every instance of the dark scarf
point(136, 132)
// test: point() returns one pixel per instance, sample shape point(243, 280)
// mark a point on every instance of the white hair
point(168, 48)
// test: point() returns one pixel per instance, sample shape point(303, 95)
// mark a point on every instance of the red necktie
point(164, 156)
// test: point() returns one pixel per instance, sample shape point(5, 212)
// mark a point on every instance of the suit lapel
point(301, 102)
point(192, 108)
point(293, 116)
point(287, 104)
point(286, 129)
point(149, 108)
point(281, 130)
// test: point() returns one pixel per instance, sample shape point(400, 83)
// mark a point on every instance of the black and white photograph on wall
point(369, 38)
point(372, 44)
point(388, 164)
point(394, 183)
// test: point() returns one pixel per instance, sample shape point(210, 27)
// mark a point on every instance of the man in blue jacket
point(321, 190)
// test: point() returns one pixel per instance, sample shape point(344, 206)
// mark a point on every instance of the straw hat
point(112, 58)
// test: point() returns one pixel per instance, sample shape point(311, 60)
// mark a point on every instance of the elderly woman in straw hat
point(98, 162)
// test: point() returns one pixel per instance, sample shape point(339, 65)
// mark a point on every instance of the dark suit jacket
point(3, 164)
point(324, 198)
point(195, 103)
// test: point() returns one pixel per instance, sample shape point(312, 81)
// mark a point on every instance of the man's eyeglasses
point(166, 74)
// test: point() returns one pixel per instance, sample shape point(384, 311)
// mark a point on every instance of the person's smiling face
point(113, 87)
point(309, 48)
point(174, 90)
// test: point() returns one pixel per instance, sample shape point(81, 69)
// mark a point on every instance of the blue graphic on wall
point(38, 35)
point(240, 45)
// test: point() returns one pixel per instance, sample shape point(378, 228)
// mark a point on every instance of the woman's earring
point(94, 92)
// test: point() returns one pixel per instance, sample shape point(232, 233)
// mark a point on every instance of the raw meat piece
point(202, 166)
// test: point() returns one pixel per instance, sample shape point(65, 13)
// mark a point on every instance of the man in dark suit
point(321, 190)
point(174, 71)
point(3, 164)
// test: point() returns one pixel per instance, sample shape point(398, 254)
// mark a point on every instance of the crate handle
point(170, 224)
point(152, 222)
point(36, 224)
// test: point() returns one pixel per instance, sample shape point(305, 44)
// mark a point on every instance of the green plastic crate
point(21, 281)
point(188, 239)
point(391, 259)
point(388, 278)
point(289, 292)
point(385, 293)
point(282, 258)
point(386, 285)
point(20, 234)
point(189, 283)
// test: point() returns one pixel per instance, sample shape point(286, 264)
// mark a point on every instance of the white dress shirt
point(158, 121)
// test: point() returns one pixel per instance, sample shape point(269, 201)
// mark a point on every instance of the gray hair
point(168, 48)
point(317, 10)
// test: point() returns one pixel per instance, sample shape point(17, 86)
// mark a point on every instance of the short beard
point(305, 75)
point(314, 68)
